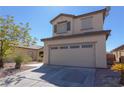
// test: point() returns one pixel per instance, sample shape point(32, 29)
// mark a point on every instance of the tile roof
point(118, 48)
point(31, 47)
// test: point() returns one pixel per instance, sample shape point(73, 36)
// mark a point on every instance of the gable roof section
point(86, 14)
point(62, 14)
point(105, 32)
point(118, 48)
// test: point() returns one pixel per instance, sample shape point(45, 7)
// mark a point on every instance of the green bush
point(21, 58)
point(18, 59)
point(13, 57)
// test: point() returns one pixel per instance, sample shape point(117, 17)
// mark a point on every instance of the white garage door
point(82, 55)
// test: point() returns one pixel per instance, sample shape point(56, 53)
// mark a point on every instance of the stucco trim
point(71, 43)
point(104, 32)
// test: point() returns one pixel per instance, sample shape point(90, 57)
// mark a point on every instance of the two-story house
point(77, 40)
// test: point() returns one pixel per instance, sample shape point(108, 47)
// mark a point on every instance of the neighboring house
point(118, 52)
point(35, 52)
point(77, 40)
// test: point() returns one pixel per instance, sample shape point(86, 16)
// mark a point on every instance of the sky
point(39, 18)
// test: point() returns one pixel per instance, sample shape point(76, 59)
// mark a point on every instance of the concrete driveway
point(50, 76)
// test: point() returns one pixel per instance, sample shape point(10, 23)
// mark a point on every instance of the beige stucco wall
point(31, 52)
point(34, 53)
point(100, 47)
point(97, 24)
point(118, 54)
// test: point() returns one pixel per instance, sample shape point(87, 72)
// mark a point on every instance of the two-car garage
point(85, 50)
point(76, 54)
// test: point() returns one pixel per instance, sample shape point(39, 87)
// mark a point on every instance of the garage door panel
point(82, 56)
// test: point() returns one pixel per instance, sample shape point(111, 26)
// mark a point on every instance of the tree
point(13, 35)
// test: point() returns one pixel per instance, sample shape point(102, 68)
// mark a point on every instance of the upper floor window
point(62, 27)
point(86, 23)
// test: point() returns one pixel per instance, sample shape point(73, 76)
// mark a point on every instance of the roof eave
point(106, 32)
point(86, 14)
point(118, 48)
point(62, 14)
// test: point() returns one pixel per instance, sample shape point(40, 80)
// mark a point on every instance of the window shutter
point(55, 28)
point(86, 23)
point(68, 26)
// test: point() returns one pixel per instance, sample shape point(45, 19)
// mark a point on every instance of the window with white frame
point(62, 27)
point(86, 23)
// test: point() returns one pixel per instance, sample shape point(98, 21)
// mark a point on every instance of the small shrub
point(18, 60)
point(119, 68)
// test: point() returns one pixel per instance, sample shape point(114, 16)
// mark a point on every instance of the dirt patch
point(107, 78)
point(9, 69)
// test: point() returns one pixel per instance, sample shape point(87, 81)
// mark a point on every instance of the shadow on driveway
point(67, 76)
point(50, 75)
